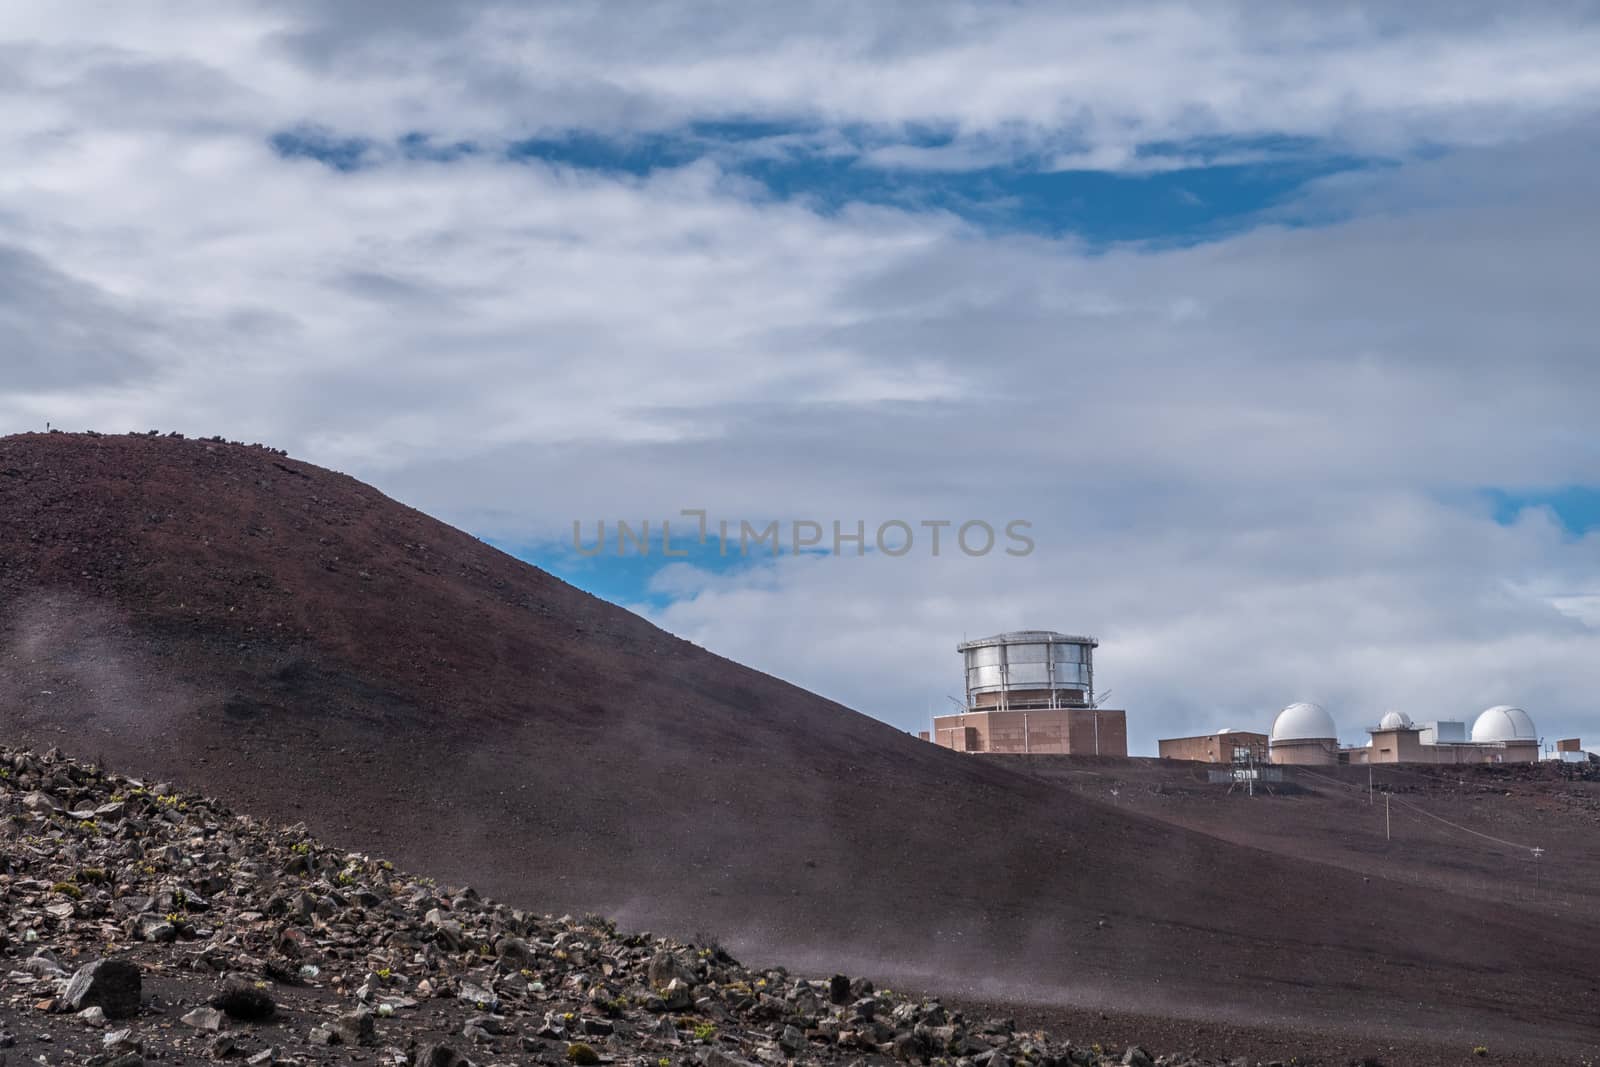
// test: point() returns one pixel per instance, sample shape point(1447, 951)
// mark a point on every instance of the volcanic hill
point(300, 646)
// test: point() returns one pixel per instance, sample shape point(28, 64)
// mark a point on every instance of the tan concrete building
point(1224, 746)
point(1039, 731)
point(1501, 734)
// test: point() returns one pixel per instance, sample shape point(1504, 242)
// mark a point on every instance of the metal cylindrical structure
point(1029, 669)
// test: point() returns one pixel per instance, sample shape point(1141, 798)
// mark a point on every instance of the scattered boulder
point(206, 1018)
point(356, 1028)
point(242, 999)
point(666, 967)
point(111, 985)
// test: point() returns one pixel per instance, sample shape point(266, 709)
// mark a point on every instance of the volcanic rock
point(242, 999)
point(111, 985)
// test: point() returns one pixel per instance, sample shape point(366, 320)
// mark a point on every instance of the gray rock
point(121, 1041)
point(95, 1016)
point(112, 985)
point(667, 967)
point(205, 1018)
point(356, 1028)
point(515, 951)
point(43, 964)
point(477, 996)
point(677, 996)
point(1137, 1057)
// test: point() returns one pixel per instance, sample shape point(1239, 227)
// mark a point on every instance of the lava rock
point(204, 1018)
point(356, 1028)
point(111, 985)
point(439, 1055)
point(243, 1000)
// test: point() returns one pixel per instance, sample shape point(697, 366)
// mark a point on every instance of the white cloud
point(1237, 456)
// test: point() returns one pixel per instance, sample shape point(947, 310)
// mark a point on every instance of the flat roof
point(1028, 637)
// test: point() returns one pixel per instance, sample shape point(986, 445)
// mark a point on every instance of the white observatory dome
point(1504, 723)
point(1395, 720)
point(1304, 722)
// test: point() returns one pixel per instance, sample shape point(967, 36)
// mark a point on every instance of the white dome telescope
point(1304, 722)
point(1504, 723)
point(1395, 720)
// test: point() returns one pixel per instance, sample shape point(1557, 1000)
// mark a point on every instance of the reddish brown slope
point(295, 641)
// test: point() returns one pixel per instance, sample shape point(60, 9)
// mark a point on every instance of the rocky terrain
point(142, 923)
point(297, 645)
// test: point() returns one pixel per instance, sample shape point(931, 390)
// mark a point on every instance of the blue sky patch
point(1577, 507)
point(1168, 193)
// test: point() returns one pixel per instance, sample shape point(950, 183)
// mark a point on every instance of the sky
point(1274, 325)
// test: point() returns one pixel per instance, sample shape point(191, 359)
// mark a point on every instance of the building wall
point(1405, 746)
point(1212, 748)
point(1097, 731)
point(1059, 731)
point(1305, 753)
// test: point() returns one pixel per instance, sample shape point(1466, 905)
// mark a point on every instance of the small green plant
point(664, 1062)
point(705, 1031)
point(88, 826)
point(582, 1055)
point(173, 917)
point(385, 973)
point(301, 848)
point(1481, 1050)
point(67, 889)
point(91, 876)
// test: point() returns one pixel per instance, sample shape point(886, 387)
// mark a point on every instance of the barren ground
point(305, 648)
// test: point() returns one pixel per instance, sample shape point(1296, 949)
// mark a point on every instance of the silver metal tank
point(1029, 669)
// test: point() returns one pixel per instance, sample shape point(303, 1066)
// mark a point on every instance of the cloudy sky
point(1278, 323)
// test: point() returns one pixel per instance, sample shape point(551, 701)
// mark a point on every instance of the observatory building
point(1031, 692)
point(1501, 734)
point(1224, 746)
point(1304, 734)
